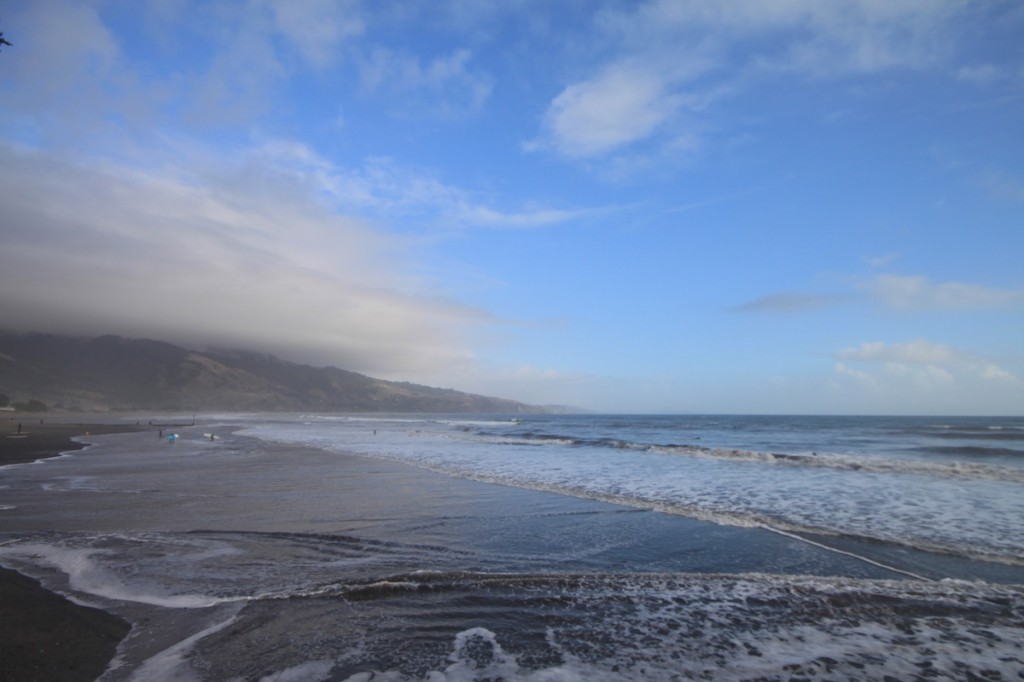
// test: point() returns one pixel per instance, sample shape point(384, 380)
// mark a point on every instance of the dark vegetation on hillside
point(116, 373)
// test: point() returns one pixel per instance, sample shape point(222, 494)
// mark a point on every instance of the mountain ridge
point(114, 373)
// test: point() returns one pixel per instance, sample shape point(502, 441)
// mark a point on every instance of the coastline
point(332, 512)
point(41, 439)
point(48, 637)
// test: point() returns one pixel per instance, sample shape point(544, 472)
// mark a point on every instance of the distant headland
point(113, 373)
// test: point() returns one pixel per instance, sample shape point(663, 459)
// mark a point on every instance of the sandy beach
point(46, 637)
point(325, 547)
point(43, 636)
point(37, 439)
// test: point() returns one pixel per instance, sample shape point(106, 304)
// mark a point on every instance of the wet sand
point(46, 637)
point(43, 636)
point(37, 441)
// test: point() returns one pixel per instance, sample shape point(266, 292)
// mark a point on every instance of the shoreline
point(450, 505)
point(48, 637)
point(37, 439)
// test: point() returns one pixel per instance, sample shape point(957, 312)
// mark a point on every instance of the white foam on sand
point(171, 663)
point(312, 671)
point(867, 652)
point(87, 575)
point(760, 627)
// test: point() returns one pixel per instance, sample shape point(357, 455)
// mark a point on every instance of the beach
point(38, 438)
point(45, 636)
point(337, 548)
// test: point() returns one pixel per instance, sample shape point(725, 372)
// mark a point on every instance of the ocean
point(539, 547)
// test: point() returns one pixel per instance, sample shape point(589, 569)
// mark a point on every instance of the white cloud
point(913, 352)
point(66, 65)
point(822, 38)
point(907, 292)
point(91, 62)
point(925, 360)
point(446, 86)
point(471, 214)
point(265, 250)
point(236, 84)
point(535, 385)
point(881, 260)
point(922, 377)
point(1003, 186)
point(622, 105)
point(860, 375)
point(982, 74)
point(247, 258)
point(384, 188)
point(667, 56)
point(992, 371)
point(317, 27)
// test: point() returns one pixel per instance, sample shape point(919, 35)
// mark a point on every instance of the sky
point(793, 206)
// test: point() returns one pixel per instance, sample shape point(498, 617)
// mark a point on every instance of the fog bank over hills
point(116, 373)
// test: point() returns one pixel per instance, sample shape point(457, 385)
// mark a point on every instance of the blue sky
point(774, 207)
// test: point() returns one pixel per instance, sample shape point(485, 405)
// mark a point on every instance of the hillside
point(115, 373)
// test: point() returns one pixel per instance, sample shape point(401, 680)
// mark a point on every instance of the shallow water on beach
point(952, 485)
point(554, 548)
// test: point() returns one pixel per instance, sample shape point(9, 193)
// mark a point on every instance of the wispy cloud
point(788, 303)
point(1003, 185)
point(982, 74)
point(922, 364)
point(384, 188)
point(669, 57)
point(899, 292)
point(881, 260)
point(446, 86)
point(914, 352)
point(317, 28)
point(832, 38)
point(68, 68)
point(908, 292)
point(230, 59)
